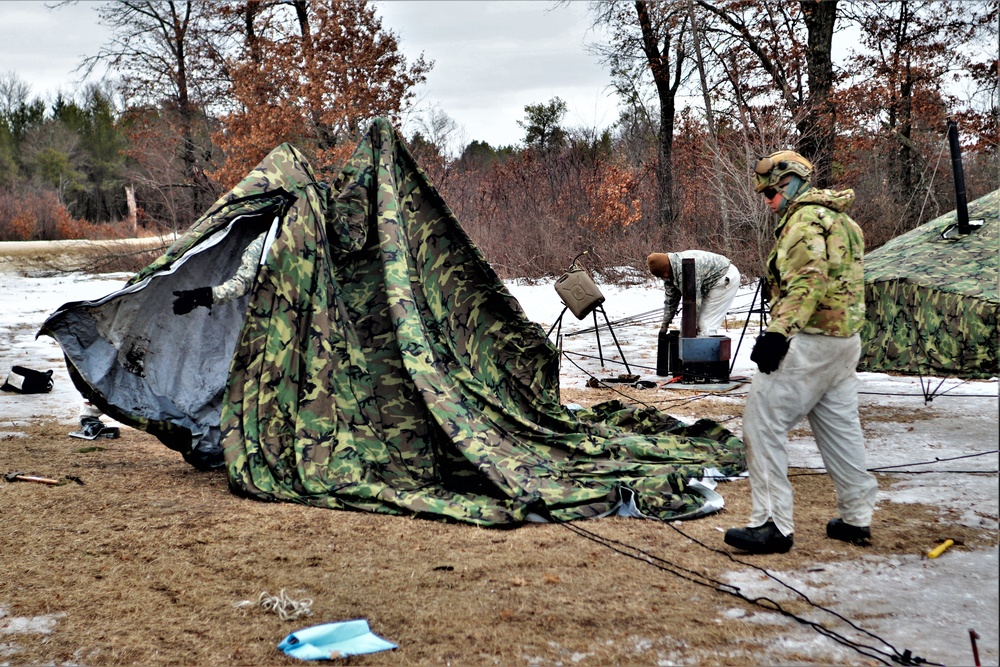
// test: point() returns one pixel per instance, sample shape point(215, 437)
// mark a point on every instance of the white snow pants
point(816, 379)
point(716, 303)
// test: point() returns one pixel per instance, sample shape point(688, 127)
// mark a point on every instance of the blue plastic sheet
point(333, 640)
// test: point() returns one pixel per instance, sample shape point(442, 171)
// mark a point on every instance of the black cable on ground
point(865, 393)
point(893, 468)
point(936, 460)
point(882, 393)
point(882, 656)
point(631, 399)
point(928, 394)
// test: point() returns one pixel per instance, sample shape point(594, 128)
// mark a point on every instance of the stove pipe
point(961, 204)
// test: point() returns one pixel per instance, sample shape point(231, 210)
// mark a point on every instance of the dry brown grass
point(143, 563)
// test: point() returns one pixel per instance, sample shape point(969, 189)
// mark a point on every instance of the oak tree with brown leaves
point(313, 73)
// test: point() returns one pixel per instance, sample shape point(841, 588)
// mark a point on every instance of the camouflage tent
point(378, 364)
point(932, 301)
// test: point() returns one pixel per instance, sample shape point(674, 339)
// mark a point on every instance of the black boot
point(861, 536)
point(766, 539)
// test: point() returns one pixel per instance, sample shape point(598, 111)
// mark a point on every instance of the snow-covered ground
point(929, 605)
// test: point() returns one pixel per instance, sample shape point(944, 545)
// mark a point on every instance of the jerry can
point(578, 291)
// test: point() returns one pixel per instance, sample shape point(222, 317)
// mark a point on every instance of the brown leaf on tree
point(314, 80)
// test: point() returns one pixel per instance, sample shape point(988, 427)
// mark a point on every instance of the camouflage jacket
point(709, 269)
point(814, 272)
point(242, 280)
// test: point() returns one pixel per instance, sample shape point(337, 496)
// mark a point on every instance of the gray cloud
point(493, 58)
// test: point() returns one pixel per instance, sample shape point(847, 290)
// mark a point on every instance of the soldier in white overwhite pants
point(817, 380)
point(807, 357)
point(716, 303)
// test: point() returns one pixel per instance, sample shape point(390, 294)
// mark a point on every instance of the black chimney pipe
point(689, 310)
point(961, 205)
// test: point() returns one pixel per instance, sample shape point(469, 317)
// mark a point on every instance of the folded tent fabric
point(381, 365)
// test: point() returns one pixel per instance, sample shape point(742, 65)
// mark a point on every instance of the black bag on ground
point(27, 381)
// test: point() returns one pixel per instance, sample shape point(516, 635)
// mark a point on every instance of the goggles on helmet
point(771, 169)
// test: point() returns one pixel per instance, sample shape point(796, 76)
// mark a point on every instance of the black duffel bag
point(27, 381)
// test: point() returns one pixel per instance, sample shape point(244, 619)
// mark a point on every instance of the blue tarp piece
point(333, 640)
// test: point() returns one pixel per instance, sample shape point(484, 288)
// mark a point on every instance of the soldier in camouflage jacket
point(807, 358)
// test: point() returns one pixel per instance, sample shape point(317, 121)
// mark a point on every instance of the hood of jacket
point(837, 200)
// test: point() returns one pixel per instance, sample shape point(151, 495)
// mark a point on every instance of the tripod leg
point(558, 323)
point(747, 322)
point(597, 332)
point(613, 337)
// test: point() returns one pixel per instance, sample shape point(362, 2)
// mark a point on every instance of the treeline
point(203, 90)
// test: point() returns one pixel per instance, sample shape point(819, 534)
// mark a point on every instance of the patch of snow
point(27, 625)
point(924, 605)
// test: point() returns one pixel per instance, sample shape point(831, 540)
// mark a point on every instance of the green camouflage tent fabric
point(931, 302)
point(381, 365)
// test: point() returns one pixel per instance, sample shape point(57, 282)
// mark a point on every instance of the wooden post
point(133, 218)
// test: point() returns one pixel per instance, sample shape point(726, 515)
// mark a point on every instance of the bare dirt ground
point(149, 562)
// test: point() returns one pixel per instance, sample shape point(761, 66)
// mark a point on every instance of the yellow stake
point(938, 550)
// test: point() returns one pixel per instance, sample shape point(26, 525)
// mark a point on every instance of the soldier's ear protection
point(765, 165)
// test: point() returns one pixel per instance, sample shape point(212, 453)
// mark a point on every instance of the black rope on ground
point(936, 460)
point(860, 393)
point(903, 472)
point(664, 404)
point(905, 658)
point(768, 604)
point(653, 315)
point(894, 470)
point(883, 393)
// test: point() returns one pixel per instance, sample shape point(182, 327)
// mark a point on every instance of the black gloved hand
point(769, 350)
point(188, 300)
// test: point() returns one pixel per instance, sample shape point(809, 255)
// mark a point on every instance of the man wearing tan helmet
point(807, 359)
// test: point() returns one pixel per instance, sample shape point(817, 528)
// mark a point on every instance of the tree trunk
point(709, 117)
point(710, 120)
point(249, 25)
point(659, 64)
point(817, 139)
point(133, 217)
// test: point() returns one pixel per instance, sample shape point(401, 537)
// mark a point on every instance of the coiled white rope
point(285, 607)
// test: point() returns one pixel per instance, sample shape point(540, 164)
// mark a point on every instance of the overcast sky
point(490, 58)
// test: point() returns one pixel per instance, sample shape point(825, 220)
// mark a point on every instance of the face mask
point(791, 190)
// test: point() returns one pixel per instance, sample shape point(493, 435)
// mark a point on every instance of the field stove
point(683, 354)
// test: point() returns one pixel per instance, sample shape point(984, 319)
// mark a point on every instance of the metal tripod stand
point(597, 332)
point(763, 310)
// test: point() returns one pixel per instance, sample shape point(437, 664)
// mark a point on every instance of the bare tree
point(791, 44)
point(648, 39)
point(13, 94)
point(441, 131)
point(158, 49)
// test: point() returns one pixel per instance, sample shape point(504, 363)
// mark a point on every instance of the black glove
point(769, 350)
point(188, 300)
